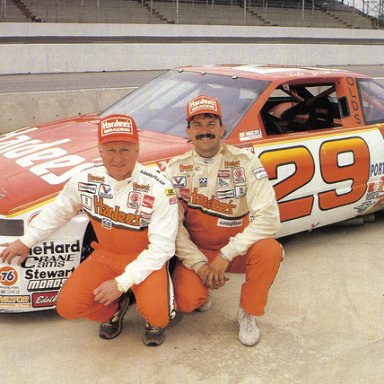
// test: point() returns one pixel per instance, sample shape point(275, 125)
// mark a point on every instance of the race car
point(318, 133)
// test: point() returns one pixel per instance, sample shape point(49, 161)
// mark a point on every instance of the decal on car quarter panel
point(41, 158)
point(321, 174)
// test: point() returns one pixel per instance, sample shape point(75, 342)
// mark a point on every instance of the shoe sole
point(153, 343)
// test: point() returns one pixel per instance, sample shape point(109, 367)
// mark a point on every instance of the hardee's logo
point(212, 203)
point(141, 187)
point(114, 126)
point(95, 179)
point(202, 103)
point(231, 164)
point(114, 213)
point(185, 168)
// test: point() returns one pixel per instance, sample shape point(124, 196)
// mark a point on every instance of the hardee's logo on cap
point(118, 128)
point(203, 104)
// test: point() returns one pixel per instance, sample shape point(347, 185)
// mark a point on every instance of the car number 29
point(343, 172)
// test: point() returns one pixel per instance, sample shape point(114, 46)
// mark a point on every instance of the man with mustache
point(228, 217)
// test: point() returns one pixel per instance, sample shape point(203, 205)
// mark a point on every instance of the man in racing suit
point(228, 217)
point(134, 214)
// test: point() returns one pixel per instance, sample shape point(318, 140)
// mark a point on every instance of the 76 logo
point(8, 276)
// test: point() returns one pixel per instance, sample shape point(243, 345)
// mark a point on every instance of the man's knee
point(65, 309)
point(268, 250)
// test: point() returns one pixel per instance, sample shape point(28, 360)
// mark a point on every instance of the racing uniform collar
point(208, 160)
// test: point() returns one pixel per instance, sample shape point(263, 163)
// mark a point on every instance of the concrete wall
point(117, 56)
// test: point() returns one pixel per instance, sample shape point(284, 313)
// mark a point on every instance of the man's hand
point(107, 292)
point(212, 275)
point(16, 248)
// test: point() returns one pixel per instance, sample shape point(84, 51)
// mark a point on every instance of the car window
point(372, 98)
point(160, 105)
point(301, 107)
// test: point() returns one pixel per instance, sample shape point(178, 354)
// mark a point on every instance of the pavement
point(323, 325)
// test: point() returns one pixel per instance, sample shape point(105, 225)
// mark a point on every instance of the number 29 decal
point(341, 179)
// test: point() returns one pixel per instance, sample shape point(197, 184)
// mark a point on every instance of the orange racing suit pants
point(260, 265)
point(76, 299)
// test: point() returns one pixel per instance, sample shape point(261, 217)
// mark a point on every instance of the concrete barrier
point(45, 57)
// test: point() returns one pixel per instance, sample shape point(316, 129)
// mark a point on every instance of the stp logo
point(8, 276)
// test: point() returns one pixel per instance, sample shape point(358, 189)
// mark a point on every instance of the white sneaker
point(206, 306)
point(249, 333)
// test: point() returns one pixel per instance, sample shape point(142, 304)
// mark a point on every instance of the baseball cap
point(117, 128)
point(203, 104)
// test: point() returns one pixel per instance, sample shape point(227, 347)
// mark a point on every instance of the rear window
point(160, 105)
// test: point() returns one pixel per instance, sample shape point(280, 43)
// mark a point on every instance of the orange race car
point(318, 132)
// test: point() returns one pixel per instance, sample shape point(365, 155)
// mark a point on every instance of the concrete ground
point(324, 325)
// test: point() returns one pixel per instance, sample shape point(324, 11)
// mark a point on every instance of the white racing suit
point(135, 221)
point(228, 207)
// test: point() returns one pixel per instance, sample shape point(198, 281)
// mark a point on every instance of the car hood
point(35, 162)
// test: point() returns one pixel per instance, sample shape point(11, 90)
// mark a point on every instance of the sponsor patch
point(238, 175)
point(145, 215)
point(87, 187)
point(185, 168)
point(144, 222)
point(113, 126)
point(223, 179)
point(86, 201)
point(240, 191)
point(134, 200)
point(141, 187)
point(106, 223)
point(229, 223)
point(172, 200)
point(260, 173)
point(169, 192)
point(179, 181)
point(231, 164)
point(105, 191)
point(95, 179)
point(185, 193)
point(229, 194)
point(250, 135)
point(203, 182)
point(202, 103)
point(148, 201)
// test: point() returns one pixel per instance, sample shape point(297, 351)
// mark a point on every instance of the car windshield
point(160, 105)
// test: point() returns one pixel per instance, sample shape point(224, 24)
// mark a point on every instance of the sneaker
point(153, 336)
point(172, 323)
point(206, 306)
point(249, 333)
point(114, 326)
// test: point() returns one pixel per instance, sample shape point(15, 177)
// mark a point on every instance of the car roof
point(271, 72)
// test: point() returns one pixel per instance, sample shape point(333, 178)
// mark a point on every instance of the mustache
point(205, 136)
